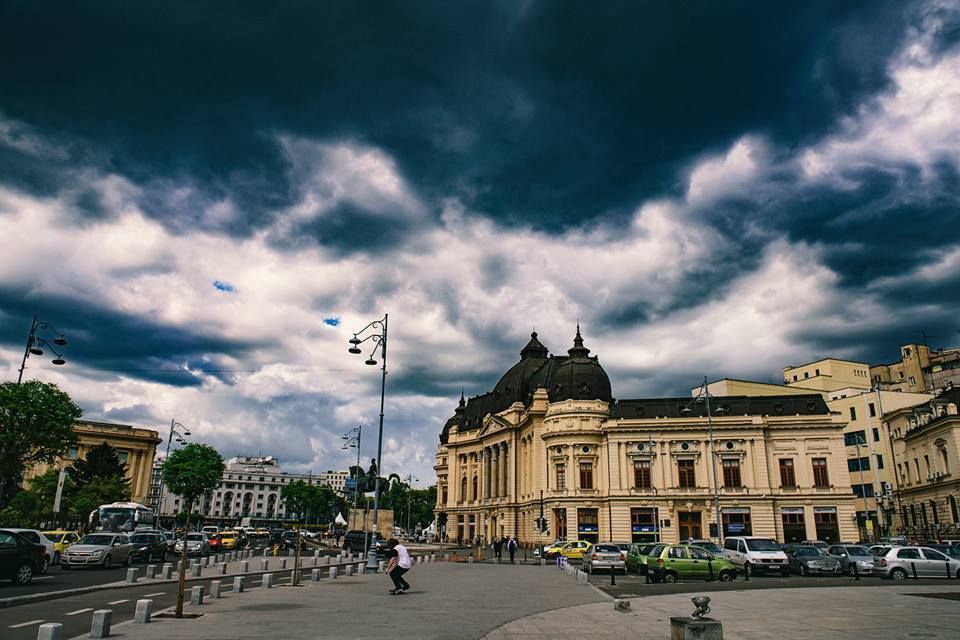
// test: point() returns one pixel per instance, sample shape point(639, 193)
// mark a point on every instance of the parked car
point(684, 562)
point(20, 559)
point(148, 547)
point(197, 545)
point(49, 547)
point(98, 550)
point(61, 541)
point(900, 563)
point(355, 541)
point(604, 555)
point(852, 555)
point(210, 530)
point(709, 545)
point(573, 550)
point(171, 539)
point(952, 551)
point(820, 544)
point(807, 560)
point(289, 540)
point(638, 556)
point(753, 554)
point(550, 550)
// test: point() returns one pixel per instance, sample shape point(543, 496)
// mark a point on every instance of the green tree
point(36, 426)
point(191, 472)
point(102, 490)
point(101, 461)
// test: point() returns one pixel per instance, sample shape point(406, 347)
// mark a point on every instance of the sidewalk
point(448, 600)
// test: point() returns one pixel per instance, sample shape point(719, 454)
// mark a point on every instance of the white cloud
point(715, 177)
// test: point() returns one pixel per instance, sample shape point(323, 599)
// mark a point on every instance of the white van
point(756, 555)
point(211, 530)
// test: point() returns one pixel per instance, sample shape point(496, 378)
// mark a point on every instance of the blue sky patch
point(333, 322)
point(223, 286)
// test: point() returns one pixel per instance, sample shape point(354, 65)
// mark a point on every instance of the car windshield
point(807, 551)
point(858, 551)
point(712, 547)
point(99, 540)
point(762, 544)
point(142, 537)
point(196, 537)
point(56, 537)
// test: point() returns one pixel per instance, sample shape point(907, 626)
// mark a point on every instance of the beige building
point(828, 374)
point(551, 438)
point(135, 447)
point(926, 443)
point(920, 369)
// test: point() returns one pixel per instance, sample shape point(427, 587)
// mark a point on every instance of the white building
point(250, 487)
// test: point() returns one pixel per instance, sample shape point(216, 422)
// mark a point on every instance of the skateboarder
point(398, 565)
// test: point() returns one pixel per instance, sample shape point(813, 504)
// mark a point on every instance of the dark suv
point(353, 542)
point(148, 546)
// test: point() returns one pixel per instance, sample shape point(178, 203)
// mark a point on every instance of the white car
point(49, 548)
point(753, 554)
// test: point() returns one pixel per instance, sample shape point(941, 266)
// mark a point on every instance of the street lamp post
point(704, 396)
point(34, 342)
point(180, 435)
point(410, 478)
point(376, 332)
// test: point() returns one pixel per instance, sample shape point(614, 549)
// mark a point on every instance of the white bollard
point(166, 571)
point(215, 589)
point(143, 612)
point(326, 559)
point(223, 568)
point(267, 581)
point(49, 631)
point(283, 563)
point(150, 572)
point(238, 584)
point(348, 570)
point(100, 625)
point(333, 572)
point(196, 595)
point(195, 570)
point(245, 566)
point(315, 575)
point(132, 576)
point(381, 565)
point(264, 565)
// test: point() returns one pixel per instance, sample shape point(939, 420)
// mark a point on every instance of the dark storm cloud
point(106, 343)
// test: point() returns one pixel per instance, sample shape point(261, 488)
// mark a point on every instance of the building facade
point(926, 443)
point(135, 447)
point(551, 439)
point(920, 369)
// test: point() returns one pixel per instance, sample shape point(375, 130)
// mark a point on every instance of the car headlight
point(98, 552)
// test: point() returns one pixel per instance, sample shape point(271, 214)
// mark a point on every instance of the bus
point(121, 517)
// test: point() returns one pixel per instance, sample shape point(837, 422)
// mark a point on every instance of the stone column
point(505, 455)
point(495, 471)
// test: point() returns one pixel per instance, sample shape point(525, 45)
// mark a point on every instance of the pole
point(372, 565)
point(26, 352)
point(540, 528)
point(609, 496)
point(166, 456)
point(713, 462)
point(182, 577)
point(653, 490)
point(356, 487)
point(863, 493)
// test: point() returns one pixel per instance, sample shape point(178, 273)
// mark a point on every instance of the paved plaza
point(457, 600)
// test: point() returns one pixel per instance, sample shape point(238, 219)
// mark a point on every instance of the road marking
point(119, 601)
point(158, 593)
point(43, 578)
point(24, 624)
point(78, 611)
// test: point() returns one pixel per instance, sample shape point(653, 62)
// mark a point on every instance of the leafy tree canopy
point(101, 461)
point(193, 471)
point(36, 426)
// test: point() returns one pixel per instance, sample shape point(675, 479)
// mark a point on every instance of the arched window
point(933, 510)
point(954, 512)
point(474, 489)
point(463, 488)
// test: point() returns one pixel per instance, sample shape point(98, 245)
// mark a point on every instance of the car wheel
point(898, 575)
point(670, 577)
point(24, 574)
point(107, 562)
point(726, 576)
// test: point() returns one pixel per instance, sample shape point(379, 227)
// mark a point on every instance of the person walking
point(512, 547)
point(497, 548)
point(398, 565)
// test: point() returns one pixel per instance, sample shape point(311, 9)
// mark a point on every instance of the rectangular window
point(853, 413)
point(561, 476)
point(588, 524)
point(641, 474)
point(560, 523)
point(873, 411)
point(853, 438)
point(913, 381)
point(821, 478)
point(787, 476)
point(586, 475)
point(858, 464)
point(685, 474)
point(72, 453)
point(876, 434)
point(863, 490)
point(731, 474)
point(736, 522)
point(879, 461)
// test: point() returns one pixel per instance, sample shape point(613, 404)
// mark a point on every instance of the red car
point(215, 544)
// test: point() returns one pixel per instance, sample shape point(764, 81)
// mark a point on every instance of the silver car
point(853, 558)
point(198, 544)
point(98, 550)
point(604, 555)
point(900, 563)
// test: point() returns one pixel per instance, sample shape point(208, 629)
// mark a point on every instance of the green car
point(686, 562)
point(638, 555)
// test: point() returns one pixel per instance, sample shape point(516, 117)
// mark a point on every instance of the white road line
point(158, 593)
point(78, 611)
point(119, 601)
point(43, 578)
point(24, 624)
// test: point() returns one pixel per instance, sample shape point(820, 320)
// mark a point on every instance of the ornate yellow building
point(551, 438)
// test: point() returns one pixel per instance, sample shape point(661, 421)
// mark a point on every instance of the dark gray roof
point(807, 404)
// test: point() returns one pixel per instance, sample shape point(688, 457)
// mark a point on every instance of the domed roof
point(579, 376)
point(514, 386)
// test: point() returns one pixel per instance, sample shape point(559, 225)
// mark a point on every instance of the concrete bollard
point(150, 572)
point(238, 584)
point(446, 557)
point(267, 581)
point(100, 626)
point(348, 570)
point(266, 551)
point(326, 559)
point(245, 566)
point(166, 571)
point(264, 564)
point(333, 572)
point(361, 567)
point(381, 565)
point(132, 576)
point(195, 570)
point(283, 563)
point(316, 554)
point(315, 575)
point(196, 595)
point(223, 568)
point(143, 612)
point(470, 560)
point(290, 552)
point(420, 560)
point(215, 589)
point(49, 631)
point(179, 564)
point(620, 604)
point(316, 560)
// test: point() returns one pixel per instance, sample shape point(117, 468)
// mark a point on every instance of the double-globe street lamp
point(181, 439)
point(35, 342)
point(375, 332)
point(704, 397)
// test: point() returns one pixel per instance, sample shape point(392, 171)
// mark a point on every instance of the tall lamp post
point(375, 332)
point(352, 439)
point(181, 439)
point(35, 342)
point(704, 396)
point(410, 478)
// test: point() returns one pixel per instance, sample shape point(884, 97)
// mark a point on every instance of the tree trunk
point(181, 581)
point(296, 556)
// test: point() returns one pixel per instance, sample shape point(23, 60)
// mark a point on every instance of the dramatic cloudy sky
point(209, 197)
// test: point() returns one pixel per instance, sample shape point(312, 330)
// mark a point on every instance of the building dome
point(514, 386)
point(579, 376)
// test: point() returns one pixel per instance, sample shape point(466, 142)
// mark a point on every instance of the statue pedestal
point(687, 628)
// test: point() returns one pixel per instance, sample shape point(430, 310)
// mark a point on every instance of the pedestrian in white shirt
point(398, 565)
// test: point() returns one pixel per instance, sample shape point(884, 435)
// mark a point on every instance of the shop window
point(736, 522)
